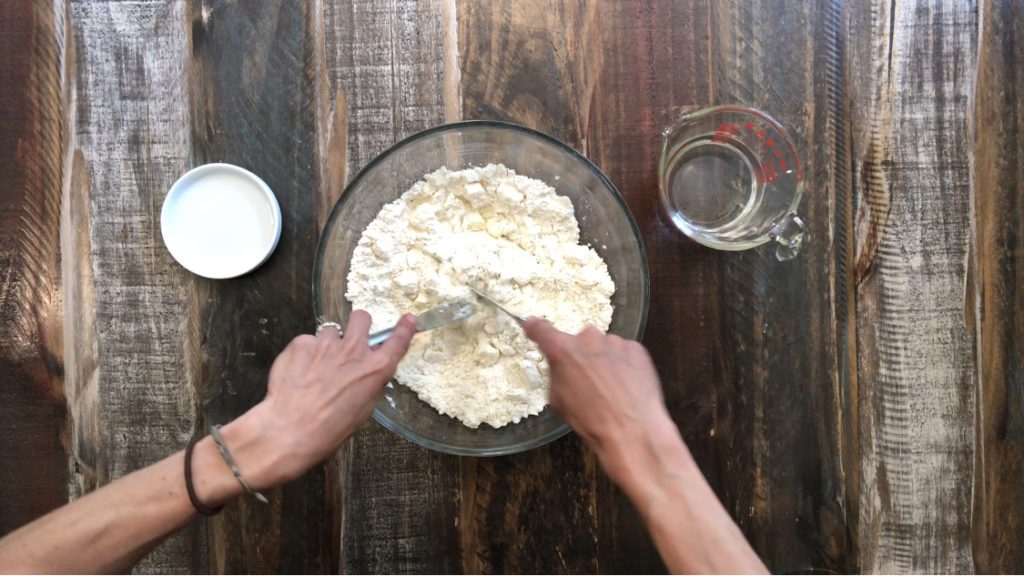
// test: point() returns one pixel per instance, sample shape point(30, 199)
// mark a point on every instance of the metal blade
point(443, 314)
point(495, 303)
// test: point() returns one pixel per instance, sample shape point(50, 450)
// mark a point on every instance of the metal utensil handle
point(434, 318)
point(378, 337)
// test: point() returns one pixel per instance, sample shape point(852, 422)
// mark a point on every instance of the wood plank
point(777, 404)
point(911, 75)
point(622, 134)
point(997, 135)
point(391, 71)
point(33, 139)
point(253, 92)
point(135, 406)
point(524, 62)
point(652, 61)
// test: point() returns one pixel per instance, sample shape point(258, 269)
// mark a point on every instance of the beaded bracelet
point(199, 506)
point(215, 432)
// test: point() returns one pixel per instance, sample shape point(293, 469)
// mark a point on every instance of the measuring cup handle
point(788, 233)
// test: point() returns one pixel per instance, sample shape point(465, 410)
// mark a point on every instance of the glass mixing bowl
point(605, 222)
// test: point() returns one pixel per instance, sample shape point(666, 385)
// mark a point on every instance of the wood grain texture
point(131, 134)
point(536, 64)
point(860, 408)
point(648, 72)
point(997, 135)
point(390, 72)
point(253, 95)
point(915, 348)
point(33, 137)
point(778, 398)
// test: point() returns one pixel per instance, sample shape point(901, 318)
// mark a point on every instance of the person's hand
point(321, 389)
point(608, 390)
point(605, 387)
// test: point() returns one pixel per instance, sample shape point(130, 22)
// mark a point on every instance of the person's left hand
point(321, 389)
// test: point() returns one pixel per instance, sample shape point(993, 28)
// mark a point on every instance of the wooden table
point(860, 408)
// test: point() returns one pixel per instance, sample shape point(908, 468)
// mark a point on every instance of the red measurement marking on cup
point(725, 133)
point(768, 174)
point(782, 161)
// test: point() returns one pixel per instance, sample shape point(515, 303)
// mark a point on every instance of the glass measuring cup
point(730, 179)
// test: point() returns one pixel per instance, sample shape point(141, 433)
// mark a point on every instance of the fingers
point(548, 338)
point(302, 343)
point(395, 347)
point(357, 330)
point(637, 355)
point(594, 338)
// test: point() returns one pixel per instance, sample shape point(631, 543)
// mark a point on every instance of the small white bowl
point(220, 221)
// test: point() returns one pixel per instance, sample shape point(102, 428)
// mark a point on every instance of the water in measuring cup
point(712, 186)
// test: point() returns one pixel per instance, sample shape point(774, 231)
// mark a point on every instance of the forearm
point(690, 527)
point(110, 529)
point(320, 389)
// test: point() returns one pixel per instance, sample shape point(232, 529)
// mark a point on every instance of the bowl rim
point(415, 438)
point(329, 223)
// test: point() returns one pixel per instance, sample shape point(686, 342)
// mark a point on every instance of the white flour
point(508, 235)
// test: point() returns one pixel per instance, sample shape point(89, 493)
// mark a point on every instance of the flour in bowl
point(510, 236)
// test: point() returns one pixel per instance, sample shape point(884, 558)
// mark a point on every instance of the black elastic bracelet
point(199, 506)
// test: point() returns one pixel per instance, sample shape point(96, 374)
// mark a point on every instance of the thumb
point(548, 338)
point(395, 347)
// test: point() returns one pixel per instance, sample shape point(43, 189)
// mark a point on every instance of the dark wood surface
point(859, 408)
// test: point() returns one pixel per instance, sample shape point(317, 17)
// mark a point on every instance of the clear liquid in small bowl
point(730, 179)
point(712, 186)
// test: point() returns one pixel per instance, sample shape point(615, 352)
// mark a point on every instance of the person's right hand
point(606, 388)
